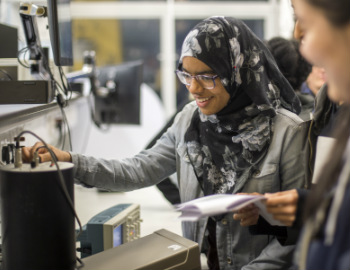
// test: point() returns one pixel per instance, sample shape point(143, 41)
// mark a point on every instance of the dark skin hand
point(44, 154)
point(283, 205)
point(248, 215)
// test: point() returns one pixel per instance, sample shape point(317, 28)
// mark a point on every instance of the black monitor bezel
point(55, 36)
point(124, 105)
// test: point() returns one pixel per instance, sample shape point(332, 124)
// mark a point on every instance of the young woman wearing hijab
point(241, 134)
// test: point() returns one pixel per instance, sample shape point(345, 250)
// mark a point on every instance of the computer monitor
point(110, 228)
point(117, 100)
point(60, 28)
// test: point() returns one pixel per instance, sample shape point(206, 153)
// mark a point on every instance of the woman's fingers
point(284, 209)
point(45, 157)
point(44, 154)
point(249, 221)
point(283, 205)
point(287, 220)
point(248, 215)
point(26, 155)
point(28, 152)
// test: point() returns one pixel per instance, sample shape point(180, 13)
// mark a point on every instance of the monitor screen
point(118, 236)
point(110, 228)
point(120, 101)
point(60, 28)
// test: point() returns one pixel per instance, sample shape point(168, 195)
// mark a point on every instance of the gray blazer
point(284, 167)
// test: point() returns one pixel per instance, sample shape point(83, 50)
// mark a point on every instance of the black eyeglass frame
point(213, 78)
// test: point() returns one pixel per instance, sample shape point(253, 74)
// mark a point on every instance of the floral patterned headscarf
point(226, 148)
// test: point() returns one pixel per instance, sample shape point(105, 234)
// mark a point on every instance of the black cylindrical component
point(37, 221)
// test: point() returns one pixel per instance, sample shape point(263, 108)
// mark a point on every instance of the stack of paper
point(223, 203)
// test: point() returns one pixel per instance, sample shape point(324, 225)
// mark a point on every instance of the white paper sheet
point(220, 204)
point(323, 152)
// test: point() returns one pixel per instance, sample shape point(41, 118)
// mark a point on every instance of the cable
point(7, 74)
point(43, 146)
point(102, 127)
point(60, 128)
point(64, 81)
point(59, 89)
point(23, 50)
point(60, 175)
point(63, 135)
point(62, 101)
point(45, 63)
point(62, 184)
point(68, 129)
point(81, 263)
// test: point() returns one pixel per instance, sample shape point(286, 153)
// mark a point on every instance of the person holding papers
point(241, 134)
point(324, 240)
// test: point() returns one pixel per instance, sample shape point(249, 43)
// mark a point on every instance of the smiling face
point(325, 45)
point(209, 101)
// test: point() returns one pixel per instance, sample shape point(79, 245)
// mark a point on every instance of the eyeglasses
point(207, 82)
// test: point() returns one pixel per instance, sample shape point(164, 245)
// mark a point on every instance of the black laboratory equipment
point(159, 250)
point(111, 241)
point(117, 97)
point(39, 67)
point(60, 29)
point(112, 227)
point(42, 89)
point(37, 221)
point(8, 49)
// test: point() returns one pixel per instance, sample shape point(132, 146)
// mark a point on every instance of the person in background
point(325, 26)
point(314, 82)
point(241, 134)
point(309, 89)
point(288, 206)
point(296, 70)
point(326, 43)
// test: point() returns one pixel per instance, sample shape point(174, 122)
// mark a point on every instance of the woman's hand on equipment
point(44, 154)
point(283, 205)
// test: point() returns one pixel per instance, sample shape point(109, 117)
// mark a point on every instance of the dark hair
point(289, 60)
point(336, 11)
